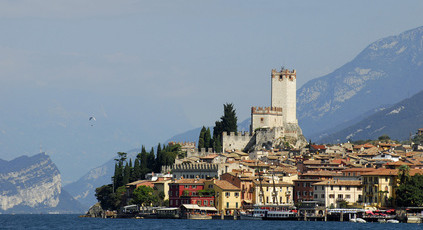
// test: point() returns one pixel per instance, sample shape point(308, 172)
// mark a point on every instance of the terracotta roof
point(312, 162)
point(210, 156)
point(318, 146)
point(189, 181)
point(391, 172)
point(141, 183)
point(321, 173)
point(340, 182)
point(225, 185)
point(399, 163)
point(359, 170)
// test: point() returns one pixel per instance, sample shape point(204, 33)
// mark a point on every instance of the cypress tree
point(227, 123)
point(137, 170)
point(126, 174)
point(201, 141)
point(207, 139)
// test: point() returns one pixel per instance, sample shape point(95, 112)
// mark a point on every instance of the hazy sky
point(148, 70)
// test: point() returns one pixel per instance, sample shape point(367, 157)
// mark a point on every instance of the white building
point(331, 192)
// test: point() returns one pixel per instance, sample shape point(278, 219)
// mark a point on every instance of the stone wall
point(234, 141)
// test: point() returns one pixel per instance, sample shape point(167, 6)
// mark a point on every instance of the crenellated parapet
point(266, 110)
point(193, 167)
point(237, 134)
point(284, 74)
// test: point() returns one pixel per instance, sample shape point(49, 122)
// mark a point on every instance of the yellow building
point(227, 195)
point(162, 186)
point(379, 186)
point(280, 193)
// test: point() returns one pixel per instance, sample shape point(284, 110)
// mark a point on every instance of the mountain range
point(384, 73)
point(33, 185)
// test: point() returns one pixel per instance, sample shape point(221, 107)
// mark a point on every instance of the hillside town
point(274, 168)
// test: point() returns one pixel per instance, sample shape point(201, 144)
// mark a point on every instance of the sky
point(148, 70)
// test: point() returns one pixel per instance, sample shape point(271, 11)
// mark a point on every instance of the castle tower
point(284, 93)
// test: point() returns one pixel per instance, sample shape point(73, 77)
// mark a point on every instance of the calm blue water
point(74, 222)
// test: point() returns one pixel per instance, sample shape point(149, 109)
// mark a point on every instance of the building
point(304, 190)
point(269, 124)
point(277, 193)
point(244, 182)
point(227, 195)
point(332, 192)
point(379, 186)
point(189, 191)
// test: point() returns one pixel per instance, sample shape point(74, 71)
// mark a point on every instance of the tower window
point(262, 119)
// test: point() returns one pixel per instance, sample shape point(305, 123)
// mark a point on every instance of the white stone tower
point(284, 94)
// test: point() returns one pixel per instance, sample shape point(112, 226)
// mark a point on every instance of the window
point(305, 193)
point(347, 188)
point(186, 186)
point(199, 202)
point(194, 186)
point(331, 196)
point(236, 194)
point(348, 196)
point(205, 203)
point(386, 179)
point(315, 187)
point(322, 196)
point(340, 196)
point(211, 203)
point(227, 194)
point(171, 202)
point(315, 195)
point(340, 188)
point(261, 119)
point(236, 205)
point(227, 204)
point(323, 188)
point(210, 186)
point(331, 187)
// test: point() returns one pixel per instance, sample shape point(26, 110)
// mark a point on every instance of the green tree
point(106, 197)
point(144, 195)
point(227, 123)
point(207, 139)
point(126, 174)
point(201, 138)
point(384, 138)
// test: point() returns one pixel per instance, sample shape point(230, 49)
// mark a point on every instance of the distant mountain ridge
point(33, 185)
point(386, 72)
point(83, 189)
point(397, 121)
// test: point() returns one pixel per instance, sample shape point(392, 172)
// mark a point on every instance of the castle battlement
point(195, 167)
point(284, 73)
point(183, 144)
point(266, 110)
point(238, 134)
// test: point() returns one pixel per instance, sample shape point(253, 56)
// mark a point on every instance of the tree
point(201, 138)
point(384, 138)
point(144, 195)
point(106, 197)
point(207, 139)
point(227, 123)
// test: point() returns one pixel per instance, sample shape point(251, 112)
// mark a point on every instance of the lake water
point(74, 222)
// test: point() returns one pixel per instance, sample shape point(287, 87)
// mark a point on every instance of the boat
point(280, 215)
point(358, 220)
point(392, 221)
point(255, 214)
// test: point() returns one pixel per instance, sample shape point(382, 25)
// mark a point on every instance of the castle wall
point(267, 117)
point(284, 86)
point(235, 142)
